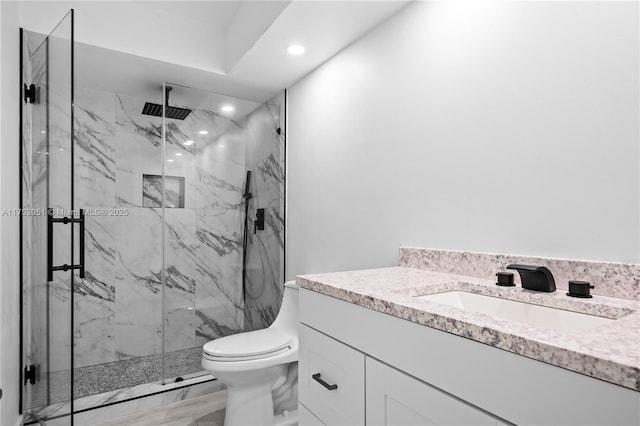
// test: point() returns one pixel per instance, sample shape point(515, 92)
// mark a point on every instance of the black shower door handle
point(317, 378)
point(64, 220)
point(81, 243)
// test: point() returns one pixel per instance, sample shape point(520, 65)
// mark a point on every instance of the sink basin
point(535, 315)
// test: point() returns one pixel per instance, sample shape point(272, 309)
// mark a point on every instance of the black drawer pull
point(317, 378)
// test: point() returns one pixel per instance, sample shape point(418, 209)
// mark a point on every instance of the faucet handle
point(580, 289)
point(537, 278)
point(505, 279)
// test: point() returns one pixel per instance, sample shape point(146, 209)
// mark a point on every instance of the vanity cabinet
point(307, 418)
point(330, 379)
point(334, 381)
point(391, 371)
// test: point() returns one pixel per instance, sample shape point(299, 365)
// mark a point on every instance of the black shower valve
point(258, 224)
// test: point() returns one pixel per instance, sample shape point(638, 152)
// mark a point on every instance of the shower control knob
point(258, 225)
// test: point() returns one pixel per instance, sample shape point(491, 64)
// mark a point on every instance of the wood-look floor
point(206, 410)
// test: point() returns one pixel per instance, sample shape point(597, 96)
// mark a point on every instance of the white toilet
point(250, 364)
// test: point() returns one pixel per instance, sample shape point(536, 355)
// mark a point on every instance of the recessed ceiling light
point(178, 154)
point(43, 131)
point(203, 132)
point(228, 108)
point(295, 49)
point(221, 145)
point(188, 143)
point(170, 160)
point(61, 149)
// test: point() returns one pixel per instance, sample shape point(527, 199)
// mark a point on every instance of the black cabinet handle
point(317, 378)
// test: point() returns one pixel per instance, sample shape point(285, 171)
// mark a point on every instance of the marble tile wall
point(609, 278)
point(119, 303)
point(265, 250)
point(265, 254)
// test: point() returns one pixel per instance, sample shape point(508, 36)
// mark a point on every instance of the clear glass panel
point(118, 304)
point(265, 157)
point(46, 184)
point(207, 217)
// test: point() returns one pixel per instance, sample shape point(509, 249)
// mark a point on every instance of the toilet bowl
point(250, 363)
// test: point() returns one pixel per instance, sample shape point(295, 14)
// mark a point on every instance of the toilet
point(251, 363)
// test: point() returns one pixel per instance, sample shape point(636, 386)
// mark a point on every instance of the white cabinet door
point(330, 379)
point(397, 399)
point(306, 417)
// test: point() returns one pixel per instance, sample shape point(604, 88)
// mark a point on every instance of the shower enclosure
point(133, 231)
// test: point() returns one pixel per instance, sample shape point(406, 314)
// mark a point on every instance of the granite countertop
point(609, 352)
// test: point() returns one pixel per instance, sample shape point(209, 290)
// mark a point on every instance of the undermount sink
point(535, 315)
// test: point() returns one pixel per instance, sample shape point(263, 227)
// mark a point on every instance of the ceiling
point(232, 47)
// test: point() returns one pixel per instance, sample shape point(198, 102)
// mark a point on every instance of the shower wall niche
point(161, 282)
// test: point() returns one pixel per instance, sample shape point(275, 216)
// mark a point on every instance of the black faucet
point(536, 278)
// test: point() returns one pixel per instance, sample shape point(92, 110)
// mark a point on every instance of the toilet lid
point(249, 345)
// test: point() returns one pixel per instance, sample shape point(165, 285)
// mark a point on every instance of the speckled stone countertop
point(609, 352)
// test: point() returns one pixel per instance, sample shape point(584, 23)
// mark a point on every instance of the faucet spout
point(536, 278)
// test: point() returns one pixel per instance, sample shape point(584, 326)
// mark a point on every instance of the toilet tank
point(287, 319)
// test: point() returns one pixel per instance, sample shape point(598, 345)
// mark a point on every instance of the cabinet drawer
point(335, 364)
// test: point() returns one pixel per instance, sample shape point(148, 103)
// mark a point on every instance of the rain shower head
point(170, 112)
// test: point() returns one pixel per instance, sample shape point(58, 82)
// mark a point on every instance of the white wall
point(1, 267)
point(9, 236)
point(506, 127)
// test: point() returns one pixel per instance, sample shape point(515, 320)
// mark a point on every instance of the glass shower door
point(47, 252)
point(222, 193)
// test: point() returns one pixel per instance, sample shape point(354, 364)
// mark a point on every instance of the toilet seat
point(248, 346)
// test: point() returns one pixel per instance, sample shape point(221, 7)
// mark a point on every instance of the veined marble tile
point(128, 188)
point(138, 283)
point(181, 159)
point(179, 319)
point(95, 327)
point(138, 318)
point(221, 172)
point(119, 303)
point(60, 336)
point(100, 257)
point(94, 161)
point(95, 331)
point(264, 285)
point(59, 139)
point(219, 252)
point(265, 251)
point(138, 149)
point(218, 276)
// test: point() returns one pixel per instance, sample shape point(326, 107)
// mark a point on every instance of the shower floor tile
point(95, 379)
point(206, 410)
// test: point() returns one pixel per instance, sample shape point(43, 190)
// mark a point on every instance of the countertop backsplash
point(609, 278)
